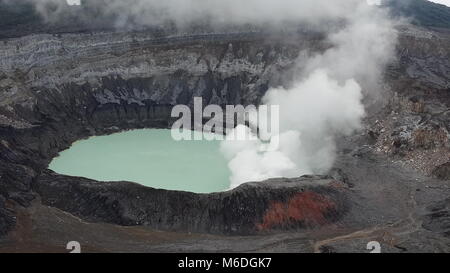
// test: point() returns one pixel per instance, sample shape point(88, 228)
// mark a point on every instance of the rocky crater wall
point(282, 204)
point(53, 95)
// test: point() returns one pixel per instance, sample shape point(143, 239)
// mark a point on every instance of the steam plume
point(323, 102)
point(129, 13)
point(325, 98)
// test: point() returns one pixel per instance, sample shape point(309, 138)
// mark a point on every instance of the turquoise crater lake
point(149, 157)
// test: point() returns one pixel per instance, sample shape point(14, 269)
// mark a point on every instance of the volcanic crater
point(57, 89)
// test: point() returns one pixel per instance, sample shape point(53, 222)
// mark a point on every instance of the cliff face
point(55, 89)
point(417, 127)
point(137, 67)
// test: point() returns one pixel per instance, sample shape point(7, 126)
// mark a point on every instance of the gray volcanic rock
point(415, 127)
point(438, 218)
point(7, 219)
point(443, 171)
point(277, 204)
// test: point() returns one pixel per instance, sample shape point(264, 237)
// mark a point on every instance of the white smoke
point(74, 2)
point(324, 102)
point(216, 12)
point(151, 12)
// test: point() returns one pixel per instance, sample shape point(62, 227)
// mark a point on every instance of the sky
point(444, 2)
